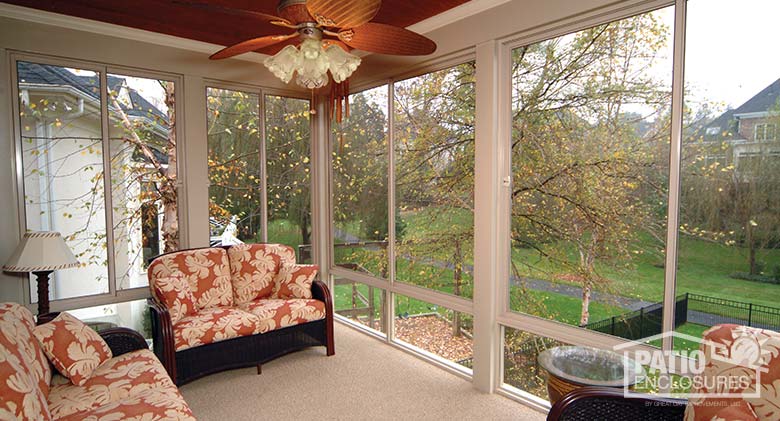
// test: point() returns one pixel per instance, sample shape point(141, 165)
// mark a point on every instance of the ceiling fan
point(325, 31)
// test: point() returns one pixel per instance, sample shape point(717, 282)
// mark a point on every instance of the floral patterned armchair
point(131, 384)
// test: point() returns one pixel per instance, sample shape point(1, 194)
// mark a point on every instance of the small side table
point(572, 367)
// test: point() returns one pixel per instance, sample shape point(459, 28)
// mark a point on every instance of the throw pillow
point(294, 281)
point(73, 347)
point(175, 293)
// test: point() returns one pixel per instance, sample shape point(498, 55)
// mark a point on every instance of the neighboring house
point(63, 162)
point(751, 132)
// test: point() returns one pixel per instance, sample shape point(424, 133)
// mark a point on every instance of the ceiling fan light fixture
point(312, 61)
point(284, 64)
point(313, 70)
point(342, 63)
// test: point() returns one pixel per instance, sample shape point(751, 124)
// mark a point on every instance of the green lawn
point(285, 232)
point(680, 344)
point(403, 305)
point(704, 268)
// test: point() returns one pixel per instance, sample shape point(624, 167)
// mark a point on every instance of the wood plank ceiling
point(217, 25)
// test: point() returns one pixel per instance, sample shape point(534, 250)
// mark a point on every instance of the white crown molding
point(103, 28)
point(455, 14)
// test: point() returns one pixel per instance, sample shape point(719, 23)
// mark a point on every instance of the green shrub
point(756, 278)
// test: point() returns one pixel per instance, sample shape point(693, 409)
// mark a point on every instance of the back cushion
point(175, 293)
point(286, 254)
point(252, 270)
point(207, 271)
point(25, 373)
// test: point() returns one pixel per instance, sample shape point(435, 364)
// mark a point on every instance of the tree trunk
point(457, 278)
point(303, 224)
point(751, 250)
point(168, 187)
point(585, 304)
point(587, 269)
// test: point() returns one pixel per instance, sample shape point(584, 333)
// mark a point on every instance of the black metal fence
point(693, 308)
point(638, 324)
point(711, 311)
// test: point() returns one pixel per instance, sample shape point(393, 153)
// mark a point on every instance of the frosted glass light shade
point(342, 63)
point(284, 64)
point(313, 72)
point(311, 61)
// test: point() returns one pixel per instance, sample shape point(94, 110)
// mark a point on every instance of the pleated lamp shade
point(41, 251)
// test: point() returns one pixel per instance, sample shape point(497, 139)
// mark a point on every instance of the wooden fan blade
point(250, 45)
point(343, 13)
point(275, 48)
point(276, 20)
point(329, 42)
point(387, 39)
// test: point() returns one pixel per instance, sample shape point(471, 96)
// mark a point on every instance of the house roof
point(762, 101)
point(726, 123)
point(39, 74)
point(726, 126)
point(34, 73)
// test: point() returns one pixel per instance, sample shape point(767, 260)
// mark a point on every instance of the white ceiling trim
point(55, 19)
point(455, 14)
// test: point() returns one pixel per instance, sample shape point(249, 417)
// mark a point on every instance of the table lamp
point(41, 253)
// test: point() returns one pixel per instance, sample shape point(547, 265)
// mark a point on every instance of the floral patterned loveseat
point(132, 384)
point(221, 308)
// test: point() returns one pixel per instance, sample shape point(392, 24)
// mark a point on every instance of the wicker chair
point(604, 403)
point(195, 362)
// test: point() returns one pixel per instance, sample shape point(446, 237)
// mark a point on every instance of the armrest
point(590, 403)
point(321, 292)
point(122, 340)
point(162, 335)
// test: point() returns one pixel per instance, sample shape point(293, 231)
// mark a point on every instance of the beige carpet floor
point(365, 380)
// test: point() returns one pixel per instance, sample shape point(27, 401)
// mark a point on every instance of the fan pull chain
point(312, 111)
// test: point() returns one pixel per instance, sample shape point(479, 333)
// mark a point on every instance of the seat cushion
point(73, 347)
point(213, 325)
point(252, 269)
point(121, 377)
point(175, 293)
point(207, 271)
point(164, 403)
point(277, 313)
point(294, 281)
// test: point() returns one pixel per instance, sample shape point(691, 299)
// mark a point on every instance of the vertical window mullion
point(675, 151)
point(107, 195)
point(390, 296)
point(263, 167)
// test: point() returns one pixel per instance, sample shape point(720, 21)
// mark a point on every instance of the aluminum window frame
point(553, 329)
point(114, 294)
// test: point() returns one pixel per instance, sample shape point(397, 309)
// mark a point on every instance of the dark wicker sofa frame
point(245, 351)
point(122, 340)
point(604, 403)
